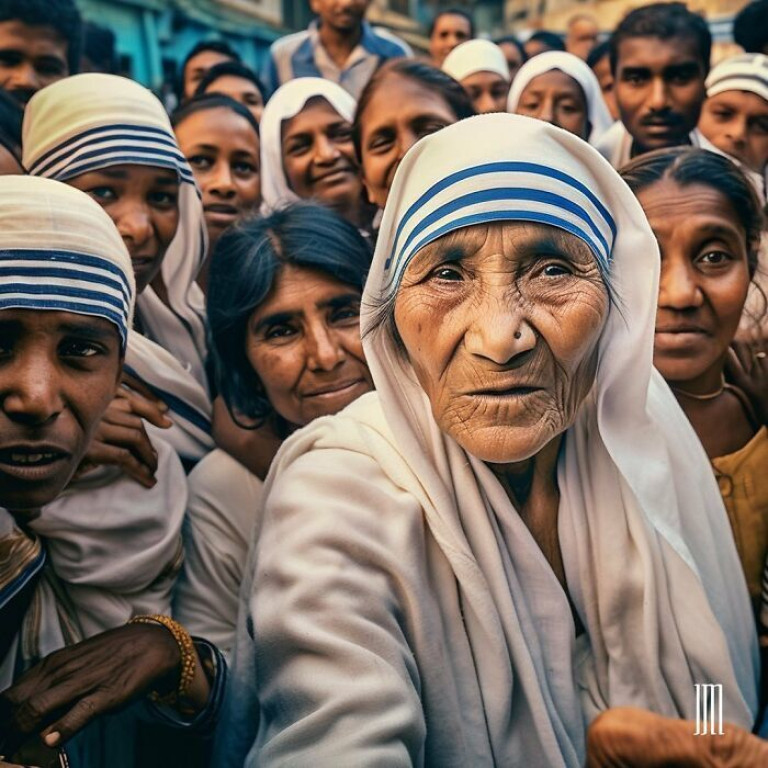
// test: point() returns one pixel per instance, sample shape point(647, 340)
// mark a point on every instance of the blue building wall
point(152, 35)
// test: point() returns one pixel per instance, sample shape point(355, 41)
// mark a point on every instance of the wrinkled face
point(198, 66)
point(303, 342)
point(31, 57)
point(401, 112)
point(319, 156)
point(223, 151)
point(341, 15)
point(501, 324)
point(558, 99)
point(451, 29)
point(488, 92)
point(143, 202)
point(736, 122)
point(602, 70)
point(58, 373)
point(514, 58)
point(240, 89)
point(582, 38)
point(704, 277)
point(659, 90)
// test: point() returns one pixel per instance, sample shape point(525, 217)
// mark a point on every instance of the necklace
point(709, 396)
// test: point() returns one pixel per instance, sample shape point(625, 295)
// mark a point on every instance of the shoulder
point(285, 46)
point(385, 43)
point(224, 497)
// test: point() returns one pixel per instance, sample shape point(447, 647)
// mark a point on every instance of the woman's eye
point(103, 194)
point(379, 143)
point(244, 169)
point(342, 135)
point(555, 270)
point(429, 129)
point(200, 162)
point(447, 273)
point(715, 258)
point(163, 199)
point(297, 148)
point(279, 332)
point(348, 313)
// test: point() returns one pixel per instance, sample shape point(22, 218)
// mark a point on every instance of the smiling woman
point(707, 221)
point(284, 307)
point(307, 151)
point(470, 563)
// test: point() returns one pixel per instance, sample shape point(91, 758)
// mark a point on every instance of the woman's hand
point(71, 687)
point(121, 439)
point(747, 367)
point(635, 738)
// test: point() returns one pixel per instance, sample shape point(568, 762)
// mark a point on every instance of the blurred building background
point(153, 36)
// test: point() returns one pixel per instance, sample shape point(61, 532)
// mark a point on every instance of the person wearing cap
point(67, 295)
point(734, 118)
point(481, 68)
point(517, 530)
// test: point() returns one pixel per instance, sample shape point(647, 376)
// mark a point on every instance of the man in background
point(581, 36)
point(39, 44)
point(660, 59)
point(339, 45)
point(448, 29)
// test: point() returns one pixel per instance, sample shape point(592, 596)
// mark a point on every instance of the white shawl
point(599, 117)
point(650, 562)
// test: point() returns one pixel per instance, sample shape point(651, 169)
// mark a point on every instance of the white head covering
point(287, 102)
point(745, 72)
point(599, 117)
point(647, 548)
point(93, 121)
point(60, 251)
point(475, 56)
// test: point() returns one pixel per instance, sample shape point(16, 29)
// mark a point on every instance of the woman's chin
point(504, 445)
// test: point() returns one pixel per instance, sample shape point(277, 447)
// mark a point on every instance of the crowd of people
point(383, 408)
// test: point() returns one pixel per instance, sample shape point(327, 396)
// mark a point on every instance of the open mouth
point(32, 463)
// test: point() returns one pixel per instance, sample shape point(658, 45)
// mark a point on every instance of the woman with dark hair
point(404, 101)
point(283, 307)
point(707, 220)
point(219, 137)
point(237, 81)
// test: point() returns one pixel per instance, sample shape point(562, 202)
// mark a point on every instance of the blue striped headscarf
point(479, 185)
point(95, 121)
point(60, 251)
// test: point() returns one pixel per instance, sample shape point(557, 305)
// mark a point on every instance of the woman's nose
point(32, 396)
point(499, 331)
point(737, 131)
point(546, 111)
point(134, 224)
point(485, 103)
point(324, 350)
point(326, 150)
point(221, 183)
point(678, 287)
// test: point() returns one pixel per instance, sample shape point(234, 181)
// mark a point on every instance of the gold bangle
point(188, 657)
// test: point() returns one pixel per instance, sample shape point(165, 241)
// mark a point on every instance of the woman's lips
point(677, 338)
point(33, 463)
point(219, 213)
point(334, 176)
point(332, 391)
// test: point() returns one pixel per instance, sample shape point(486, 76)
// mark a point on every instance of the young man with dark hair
point(205, 55)
point(339, 45)
point(448, 29)
point(660, 60)
point(39, 44)
point(750, 27)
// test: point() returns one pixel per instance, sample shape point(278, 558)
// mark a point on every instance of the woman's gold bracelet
point(188, 657)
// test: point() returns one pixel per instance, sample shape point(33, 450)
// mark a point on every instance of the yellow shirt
point(743, 480)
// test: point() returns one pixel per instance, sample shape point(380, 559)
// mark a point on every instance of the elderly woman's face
point(501, 325)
